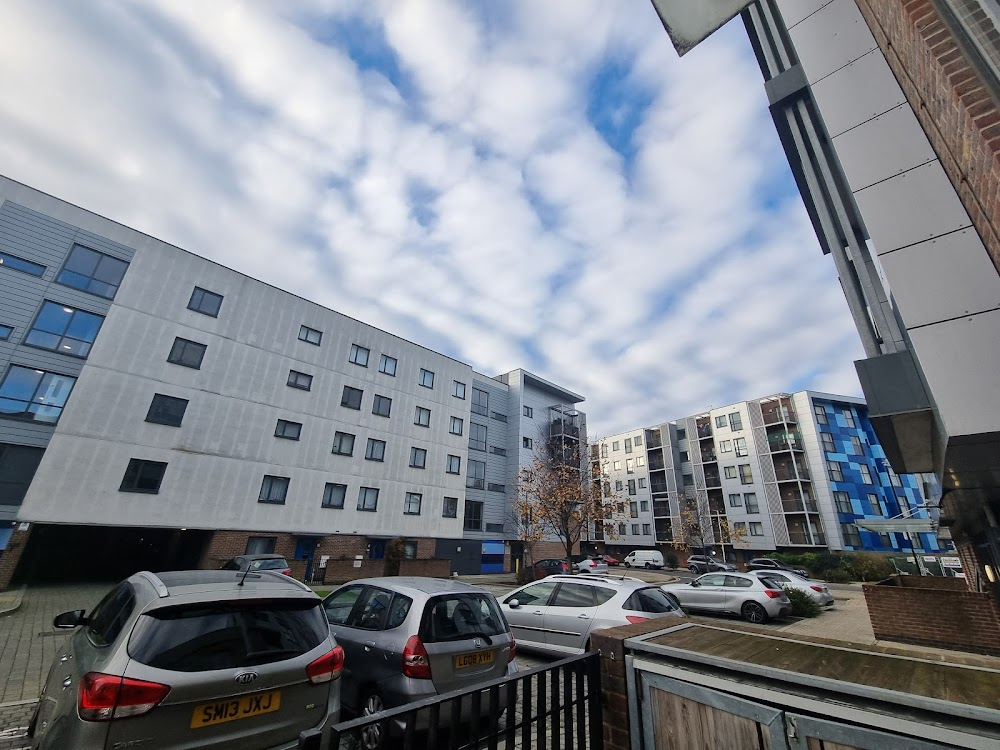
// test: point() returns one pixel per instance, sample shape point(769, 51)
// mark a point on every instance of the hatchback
point(757, 600)
point(259, 562)
point(590, 565)
point(200, 658)
point(410, 638)
point(548, 567)
point(767, 563)
point(816, 590)
point(558, 614)
point(706, 564)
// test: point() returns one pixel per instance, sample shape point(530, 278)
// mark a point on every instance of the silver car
point(201, 658)
point(755, 599)
point(591, 565)
point(410, 638)
point(557, 614)
point(816, 590)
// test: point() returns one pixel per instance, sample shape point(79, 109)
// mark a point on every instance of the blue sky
point(519, 184)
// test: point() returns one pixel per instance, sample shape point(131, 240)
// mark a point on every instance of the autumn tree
point(699, 528)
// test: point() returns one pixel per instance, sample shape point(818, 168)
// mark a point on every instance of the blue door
point(492, 557)
point(376, 549)
point(305, 549)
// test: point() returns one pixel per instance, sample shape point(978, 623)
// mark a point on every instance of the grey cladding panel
point(795, 11)
point(883, 147)
point(856, 93)
point(831, 38)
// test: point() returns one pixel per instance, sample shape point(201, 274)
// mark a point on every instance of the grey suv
point(201, 658)
point(706, 564)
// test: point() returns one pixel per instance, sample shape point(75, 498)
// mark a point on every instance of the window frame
point(418, 457)
point(8, 260)
point(206, 294)
point(746, 477)
point(32, 406)
point(407, 503)
point(835, 471)
point(177, 356)
point(842, 502)
point(748, 498)
point(453, 422)
point(420, 411)
point(280, 433)
point(370, 453)
point(135, 467)
point(348, 399)
point(364, 495)
point(299, 380)
point(426, 378)
point(446, 506)
point(528, 412)
point(62, 279)
point(477, 436)
point(276, 481)
point(355, 356)
point(471, 505)
point(480, 402)
point(473, 480)
point(756, 525)
point(383, 365)
point(328, 496)
point(820, 415)
point(62, 337)
point(382, 400)
point(305, 333)
point(866, 474)
point(150, 414)
point(455, 389)
point(338, 440)
point(456, 464)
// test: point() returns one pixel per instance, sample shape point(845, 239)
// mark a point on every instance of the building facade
point(787, 472)
point(160, 410)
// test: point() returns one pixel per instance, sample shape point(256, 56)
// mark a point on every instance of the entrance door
point(305, 549)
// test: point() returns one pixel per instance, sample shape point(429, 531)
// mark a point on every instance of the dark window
point(735, 421)
point(526, 443)
point(631, 487)
point(454, 465)
point(387, 365)
point(426, 378)
point(843, 502)
point(476, 478)
point(109, 617)
point(187, 353)
point(422, 417)
point(205, 302)
point(498, 451)
point(411, 506)
point(273, 490)
point(835, 471)
point(343, 443)
point(381, 406)
point(851, 536)
point(299, 380)
point(750, 498)
point(449, 509)
point(409, 553)
point(228, 635)
point(375, 451)
point(5, 332)
point(260, 545)
point(477, 437)
point(359, 355)
point(310, 335)
point(143, 476)
point(480, 402)
point(574, 595)
point(628, 445)
point(92, 272)
point(166, 410)
point(418, 458)
point(352, 397)
point(27, 393)
point(20, 264)
point(459, 617)
point(649, 600)
point(288, 430)
point(458, 389)
point(473, 515)
point(368, 499)
point(498, 416)
point(529, 412)
point(64, 329)
point(456, 426)
point(333, 495)
point(681, 434)
point(340, 604)
point(538, 594)
point(496, 487)
point(820, 413)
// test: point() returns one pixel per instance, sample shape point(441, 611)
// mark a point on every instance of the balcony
point(708, 456)
point(661, 508)
point(713, 479)
point(784, 441)
point(704, 431)
point(564, 428)
point(801, 538)
point(664, 530)
point(654, 461)
point(657, 488)
point(788, 472)
point(778, 411)
point(653, 439)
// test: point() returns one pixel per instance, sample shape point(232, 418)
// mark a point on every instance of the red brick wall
point(956, 111)
point(430, 568)
point(933, 582)
point(11, 556)
point(342, 571)
point(959, 620)
point(546, 550)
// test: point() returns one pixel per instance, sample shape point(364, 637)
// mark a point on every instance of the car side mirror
point(695, 584)
point(70, 620)
point(513, 603)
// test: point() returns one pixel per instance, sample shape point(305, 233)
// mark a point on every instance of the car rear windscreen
point(273, 563)
point(227, 635)
point(457, 617)
point(649, 600)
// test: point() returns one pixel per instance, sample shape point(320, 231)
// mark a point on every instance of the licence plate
point(207, 714)
point(474, 659)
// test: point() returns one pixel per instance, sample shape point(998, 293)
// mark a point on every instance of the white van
point(644, 558)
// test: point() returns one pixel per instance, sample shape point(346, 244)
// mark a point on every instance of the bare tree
point(699, 528)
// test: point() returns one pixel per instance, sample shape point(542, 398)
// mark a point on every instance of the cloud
point(538, 185)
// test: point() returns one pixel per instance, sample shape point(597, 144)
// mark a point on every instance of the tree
point(523, 521)
point(699, 528)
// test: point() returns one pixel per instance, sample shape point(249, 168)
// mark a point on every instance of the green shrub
point(837, 575)
point(803, 605)
point(671, 561)
point(868, 566)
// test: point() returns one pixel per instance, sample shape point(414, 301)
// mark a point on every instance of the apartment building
point(800, 471)
point(160, 410)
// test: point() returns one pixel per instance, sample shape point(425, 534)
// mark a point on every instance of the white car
point(817, 590)
point(755, 599)
point(591, 565)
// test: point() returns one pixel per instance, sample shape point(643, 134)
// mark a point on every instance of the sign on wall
point(689, 23)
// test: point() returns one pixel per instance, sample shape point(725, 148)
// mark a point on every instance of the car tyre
point(373, 737)
point(647, 566)
point(754, 613)
point(693, 569)
point(628, 565)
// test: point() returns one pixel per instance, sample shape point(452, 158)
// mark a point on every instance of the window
point(746, 474)
point(629, 466)
point(740, 527)
point(640, 461)
point(166, 410)
point(454, 464)
point(529, 412)
point(720, 421)
point(273, 490)
point(631, 486)
point(635, 529)
point(735, 421)
point(644, 505)
point(843, 502)
point(856, 446)
point(333, 495)
point(498, 451)
point(850, 533)
point(409, 553)
point(375, 450)
point(351, 398)
point(418, 458)
point(633, 509)
point(63, 329)
point(381, 406)
point(492, 487)
point(411, 507)
point(426, 378)
point(205, 302)
point(619, 485)
point(735, 500)
point(604, 450)
point(827, 440)
point(628, 445)
point(359, 355)
point(885, 540)
point(646, 530)
point(299, 380)
point(5, 332)
point(750, 499)
point(730, 472)
point(894, 479)
point(310, 335)
point(143, 476)
point(288, 430)
point(875, 505)
point(741, 446)
point(637, 440)
point(835, 471)
point(642, 483)
point(756, 528)
point(92, 272)
point(725, 446)
point(458, 389)
point(386, 365)
point(343, 444)
point(368, 499)
point(20, 264)
point(684, 457)
point(616, 446)
point(617, 465)
point(687, 479)
point(473, 515)
point(820, 411)
point(34, 395)
point(477, 436)
point(187, 353)
point(422, 417)
point(866, 475)
point(456, 426)
point(476, 478)
point(526, 443)
point(449, 509)
point(480, 402)
point(849, 418)
point(260, 545)
point(621, 529)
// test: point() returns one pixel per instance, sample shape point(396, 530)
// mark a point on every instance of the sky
point(542, 185)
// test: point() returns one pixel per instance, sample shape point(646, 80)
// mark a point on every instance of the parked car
point(547, 567)
point(611, 561)
point(259, 562)
point(408, 638)
point(755, 599)
point(767, 563)
point(558, 614)
point(644, 558)
point(198, 658)
point(707, 564)
point(817, 591)
point(590, 564)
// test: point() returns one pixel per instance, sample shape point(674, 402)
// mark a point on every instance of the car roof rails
point(154, 580)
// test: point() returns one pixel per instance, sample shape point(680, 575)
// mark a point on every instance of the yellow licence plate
point(207, 714)
point(475, 659)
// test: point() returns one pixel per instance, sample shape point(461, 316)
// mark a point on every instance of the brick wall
point(933, 582)
point(546, 550)
point(960, 620)
point(11, 556)
point(430, 568)
point(342, 571)
point(957, 112)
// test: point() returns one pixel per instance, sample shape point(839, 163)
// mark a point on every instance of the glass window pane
point(82, 260)
point(53, 318)
point(110, 271)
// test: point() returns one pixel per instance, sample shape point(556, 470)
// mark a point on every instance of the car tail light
point(772, 594)
point(416, 663)
point(817, 588)
point(286, 572)
point(103, 697)
point(327, 667)
point(633, 619)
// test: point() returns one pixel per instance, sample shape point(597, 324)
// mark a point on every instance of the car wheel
point(647, 566)
point(628, 565)
point(373, 736)
point(693, 569)
point(754, 613)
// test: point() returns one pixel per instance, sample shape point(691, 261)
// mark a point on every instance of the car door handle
point(67, 682)
point(583, 617)
point(369, 645)
point(536, 612)
point(65, 657)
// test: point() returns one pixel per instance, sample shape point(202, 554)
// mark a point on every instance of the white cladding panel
point(795, 11)
point(856, 93)
point(816, 461)
point(822, 52)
